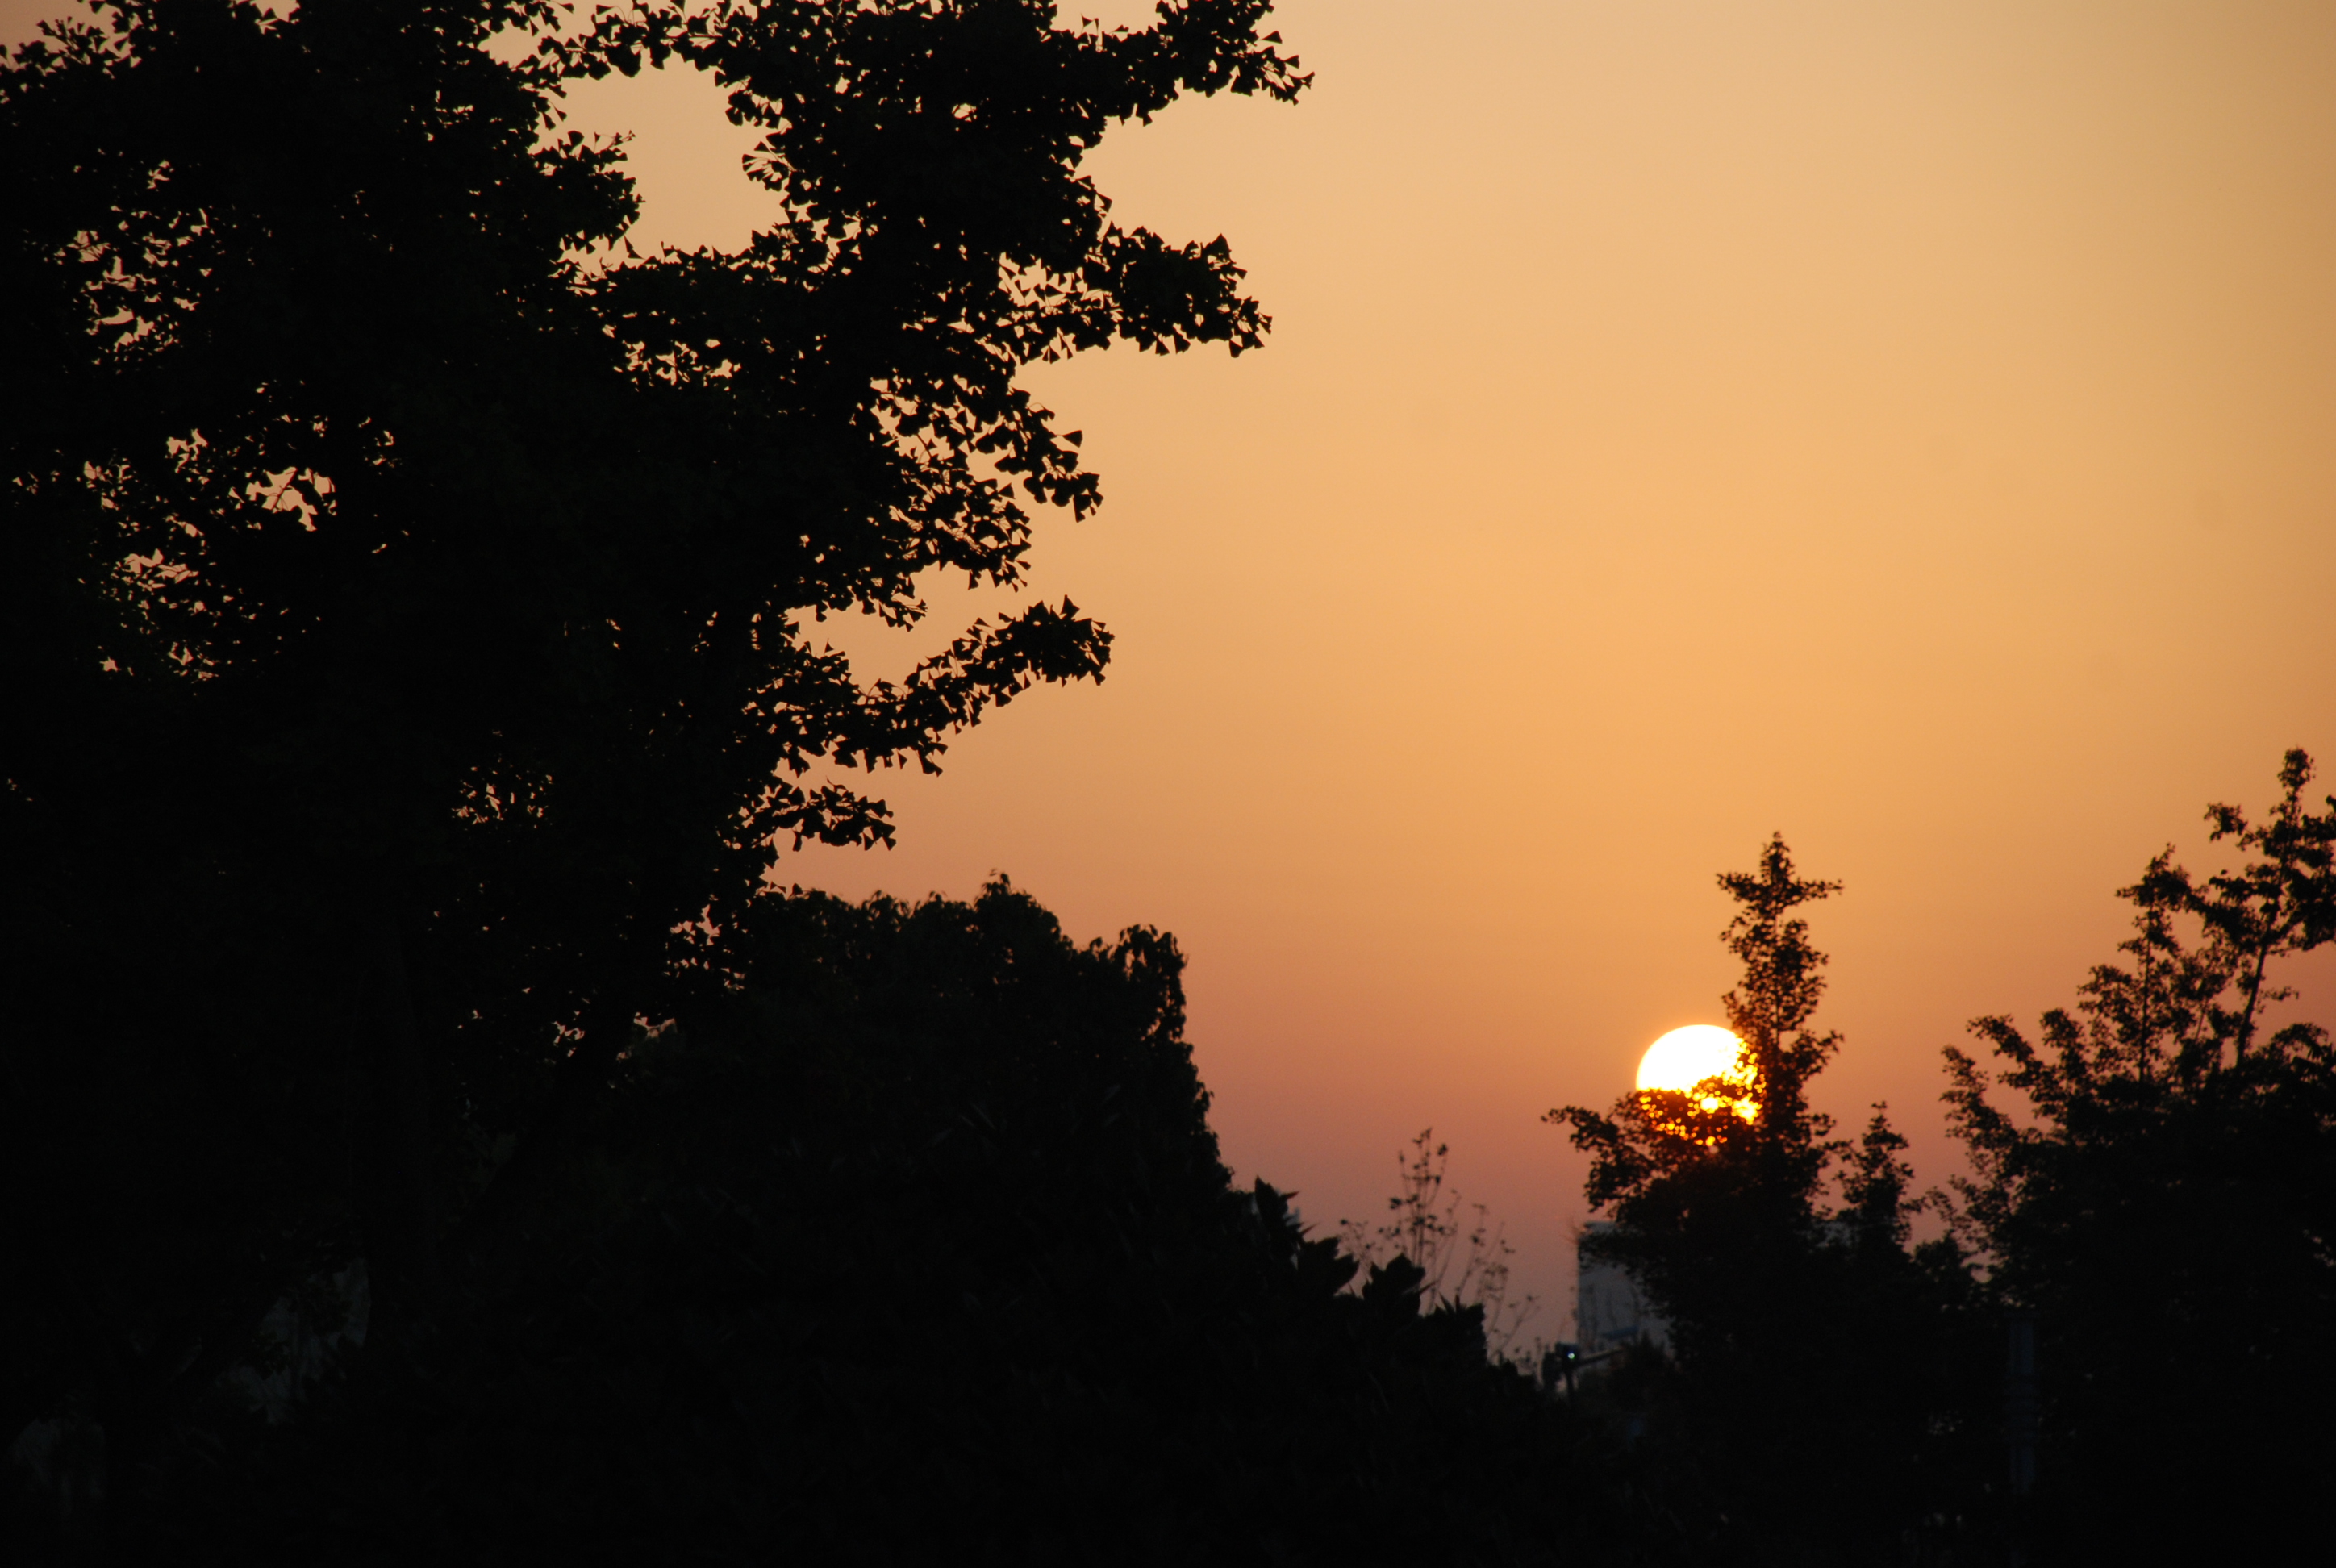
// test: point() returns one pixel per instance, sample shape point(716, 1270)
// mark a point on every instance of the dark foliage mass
point(2115, 1350)
point(2160, 1196)
point(908, 1242)
point(425, 1137)
point(411, 670)
point(1812, 1407)
point(409, 622)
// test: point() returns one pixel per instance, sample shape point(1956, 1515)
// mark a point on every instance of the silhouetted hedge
point(910, 1241)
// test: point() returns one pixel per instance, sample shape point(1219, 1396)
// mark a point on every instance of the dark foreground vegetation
point(428, 1136)
point(906, 1240)
point(2111, 1349)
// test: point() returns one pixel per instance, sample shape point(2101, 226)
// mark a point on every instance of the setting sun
point(1688, 1057)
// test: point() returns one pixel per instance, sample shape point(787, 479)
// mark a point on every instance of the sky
point(1908, 427)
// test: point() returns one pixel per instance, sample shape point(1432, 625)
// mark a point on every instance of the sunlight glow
point(1690, 1056)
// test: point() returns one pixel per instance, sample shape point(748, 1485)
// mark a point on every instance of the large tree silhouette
point(2159, 1194)
point(411, 622)
point(908, 1242)
point(1813, 1410)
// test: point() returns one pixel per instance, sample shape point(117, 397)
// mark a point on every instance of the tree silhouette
point(2160, 1196)
point(908, 1242)
point(1812, 1403)
point(409, 624)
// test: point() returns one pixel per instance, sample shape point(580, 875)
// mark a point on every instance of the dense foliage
point(1810, 1408)
point(2116, 1346)
point(2161, 1196)
point(908, 1242)
point(409, 603)
point(412, 669)
point(427, 1136)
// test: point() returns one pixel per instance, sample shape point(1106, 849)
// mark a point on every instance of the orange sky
point(1911, 426)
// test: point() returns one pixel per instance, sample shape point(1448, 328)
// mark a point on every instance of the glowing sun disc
point(1686, 1057)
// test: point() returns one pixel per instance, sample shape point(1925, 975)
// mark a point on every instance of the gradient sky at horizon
point(1911, 427)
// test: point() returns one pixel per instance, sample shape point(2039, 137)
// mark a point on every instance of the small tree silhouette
point(1461, 1263)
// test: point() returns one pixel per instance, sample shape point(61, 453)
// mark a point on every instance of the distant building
point(1609, 1309)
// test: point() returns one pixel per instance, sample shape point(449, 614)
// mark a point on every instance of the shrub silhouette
point(909, 1239)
